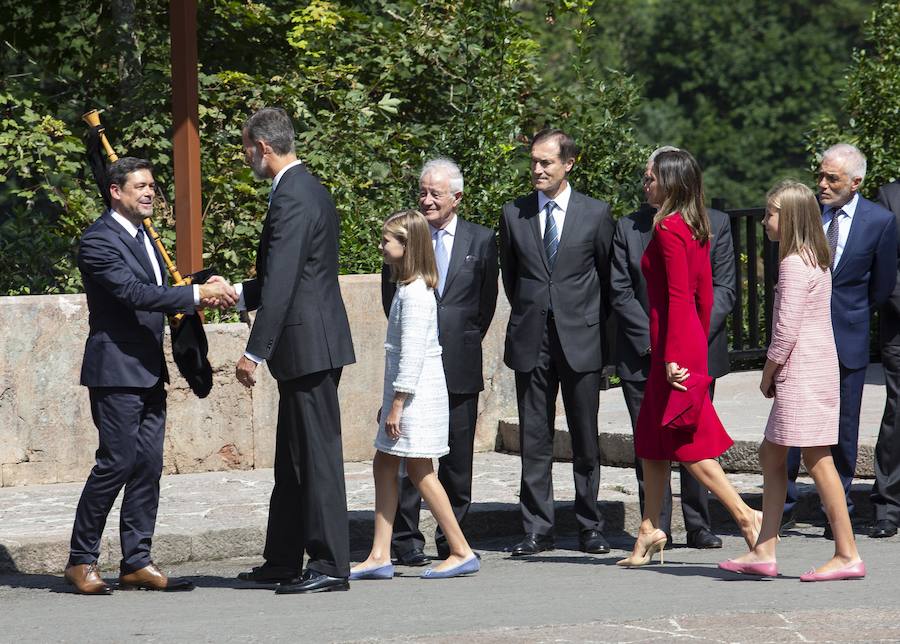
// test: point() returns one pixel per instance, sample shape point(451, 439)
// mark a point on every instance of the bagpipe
point(189, 344)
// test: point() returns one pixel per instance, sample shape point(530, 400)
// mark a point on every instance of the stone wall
point(46, 431)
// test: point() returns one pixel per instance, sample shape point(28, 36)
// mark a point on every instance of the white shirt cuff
point(241, 306)
point(196, 294)
point(255, 359)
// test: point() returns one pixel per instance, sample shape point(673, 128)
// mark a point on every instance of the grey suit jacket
point(466, 306)
point(629, 293)
point(889, 197)
point(301, 324)
point(577, 289)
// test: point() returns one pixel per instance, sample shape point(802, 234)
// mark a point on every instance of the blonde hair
point(411, 229)
point(681, 181)
point(799, 223)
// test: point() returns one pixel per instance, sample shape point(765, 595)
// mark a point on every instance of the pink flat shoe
point(760, 569)
point(850, 571)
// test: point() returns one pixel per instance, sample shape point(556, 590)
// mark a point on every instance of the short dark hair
point(117, 172)
point(272, 125)
point(567, 148)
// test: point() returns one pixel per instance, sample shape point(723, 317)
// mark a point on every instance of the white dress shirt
point(846, 221)
point(559, 213)
point(448, 236)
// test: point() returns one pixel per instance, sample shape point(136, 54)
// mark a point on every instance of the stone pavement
point(218, 515)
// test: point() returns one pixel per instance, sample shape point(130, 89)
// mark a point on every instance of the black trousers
point(694, 497)
point(844, 453)
point(536, 392)
point(886, 488)
point(308, 507)
point(131, 425)
point(454, 473)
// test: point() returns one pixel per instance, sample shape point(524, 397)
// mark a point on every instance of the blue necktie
point(551, 237)
point(441, 259)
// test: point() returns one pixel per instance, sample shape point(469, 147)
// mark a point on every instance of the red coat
point(679, 291)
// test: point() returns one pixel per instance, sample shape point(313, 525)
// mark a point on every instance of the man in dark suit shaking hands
point(125, 373)
point(629, 300)
point(554, 255)
point(886, 489)
point(301, 331)
point(863, 240)
point(466, 257)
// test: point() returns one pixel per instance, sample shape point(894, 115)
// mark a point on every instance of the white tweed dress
point(412, 364)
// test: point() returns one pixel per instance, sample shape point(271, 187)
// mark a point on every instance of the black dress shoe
point(533, 544)
point(828, 534)
point(268, 574)
point(669, 543)
point(882, 529)
point(313, 582)
point(414, 557)
point(592, 541)
point(703, 539)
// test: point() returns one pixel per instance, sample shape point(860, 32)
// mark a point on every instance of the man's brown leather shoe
point(151, 578)
point(86, 579)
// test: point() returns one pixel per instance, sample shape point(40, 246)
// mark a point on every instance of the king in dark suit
point(302, 332)
point(125, 373)
point(554, 255)
point(886, 489)
point(629, 300)
point(863, 240)
point(466, 255)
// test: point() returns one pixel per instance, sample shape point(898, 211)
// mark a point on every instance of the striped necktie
point(551, 237)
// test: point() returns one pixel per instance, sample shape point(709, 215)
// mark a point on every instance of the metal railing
point(756, 269)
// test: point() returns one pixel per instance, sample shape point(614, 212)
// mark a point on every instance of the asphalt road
point(561, 596)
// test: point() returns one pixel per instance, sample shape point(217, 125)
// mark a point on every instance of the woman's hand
point(767, 385)
point(392, 422)
point(676, 375)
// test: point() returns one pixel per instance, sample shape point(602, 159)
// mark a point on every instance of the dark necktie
point(551, 237)
point(139, 238)
point(834, 229)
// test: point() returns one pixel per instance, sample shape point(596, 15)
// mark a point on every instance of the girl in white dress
point(414, 416)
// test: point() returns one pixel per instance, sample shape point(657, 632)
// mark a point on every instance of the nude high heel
point(656, 546)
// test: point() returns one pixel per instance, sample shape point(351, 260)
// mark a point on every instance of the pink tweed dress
point(807, 387)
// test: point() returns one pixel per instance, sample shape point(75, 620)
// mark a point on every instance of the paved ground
point(564, 596)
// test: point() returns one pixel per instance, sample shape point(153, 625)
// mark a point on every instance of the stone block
point(29, 473)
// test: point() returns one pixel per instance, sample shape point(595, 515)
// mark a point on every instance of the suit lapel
point(138, 251)
point(461, 245)
point(535, 222)
point(856, 230)
point(571, 225)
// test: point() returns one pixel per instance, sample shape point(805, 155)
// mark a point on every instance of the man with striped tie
point(554, 255)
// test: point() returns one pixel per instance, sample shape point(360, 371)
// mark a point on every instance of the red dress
point(679, 290)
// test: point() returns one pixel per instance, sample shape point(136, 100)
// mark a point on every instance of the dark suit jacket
point(889, 197)
point(126, 309)
point(301, 324)
point(578, 288)
point(466, 308)
point(863, 280)
point(629, 293)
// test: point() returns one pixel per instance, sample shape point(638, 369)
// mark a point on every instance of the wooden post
point(186, 137)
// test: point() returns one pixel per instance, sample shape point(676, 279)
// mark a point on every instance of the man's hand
point(244, 371)
point(217, 293)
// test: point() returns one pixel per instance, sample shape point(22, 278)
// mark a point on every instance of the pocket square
point(683, 407)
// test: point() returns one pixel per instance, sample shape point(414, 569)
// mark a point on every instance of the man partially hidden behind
point(863, 240)
point(125, 373)
point(629, 300)
point(886, 488)
point(466, 257)
point(302, 332)
point(554, 255)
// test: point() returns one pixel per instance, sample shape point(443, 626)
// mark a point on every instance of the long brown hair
point(411, 229)
point(799, 223)
point(681, 182)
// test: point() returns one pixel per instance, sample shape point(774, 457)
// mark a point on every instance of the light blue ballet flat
point(468, 567)
point(381, 572)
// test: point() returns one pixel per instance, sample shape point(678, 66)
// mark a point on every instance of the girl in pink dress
point(801, 373)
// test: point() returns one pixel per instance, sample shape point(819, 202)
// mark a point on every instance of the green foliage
point(738, 83)
point(871, 101)
point(376, 87)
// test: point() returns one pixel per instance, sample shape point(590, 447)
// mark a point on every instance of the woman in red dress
point(677, 269)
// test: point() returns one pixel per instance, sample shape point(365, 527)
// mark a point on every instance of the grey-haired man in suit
point(466, 294)
point(629, 301)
